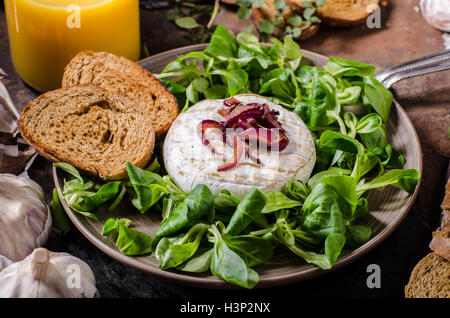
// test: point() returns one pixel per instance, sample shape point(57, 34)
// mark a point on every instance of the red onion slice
point(241, 108)
point(231, 102)
point(274, 140)
point(270, 118)
point(201, 130)
point(238, 149)
point(250, 113)
point(258, 126)
point(224, 112)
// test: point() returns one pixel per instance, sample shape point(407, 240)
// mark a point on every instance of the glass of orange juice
point(45, 34)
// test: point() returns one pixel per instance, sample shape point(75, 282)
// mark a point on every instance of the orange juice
point(45, 34)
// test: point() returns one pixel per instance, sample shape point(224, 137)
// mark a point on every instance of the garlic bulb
point(45, 274)
point(437, 13)
point(25, 219)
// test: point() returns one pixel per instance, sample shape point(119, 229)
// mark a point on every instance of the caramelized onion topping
point(253, 125)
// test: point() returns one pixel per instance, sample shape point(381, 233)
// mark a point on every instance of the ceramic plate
point(388, 206)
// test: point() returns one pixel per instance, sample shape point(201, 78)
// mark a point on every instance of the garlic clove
point(45, 274)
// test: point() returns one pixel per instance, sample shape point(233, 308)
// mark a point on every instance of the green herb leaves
point(222, 43)
point(295, 23)
point(406, 179)
point(247, 210)
point(83, 196)
point(188, 15)
point(128, 240)
point(198, 204)
point(231, 65)
point(228, 265)
point(172, 252)
point(149, 187)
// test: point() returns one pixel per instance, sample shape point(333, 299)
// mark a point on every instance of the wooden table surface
point(404, 35)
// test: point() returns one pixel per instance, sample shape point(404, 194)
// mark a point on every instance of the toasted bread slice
point(90, 128)
point(119, 74)
point(342, 12)
point(430, 278)
point(346, 12)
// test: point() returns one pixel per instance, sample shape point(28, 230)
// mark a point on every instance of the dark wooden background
point(404, 35)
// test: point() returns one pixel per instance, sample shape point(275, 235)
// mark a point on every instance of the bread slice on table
point(341, 13)
point(90, 128)
point(430, 278)
point(120, 75)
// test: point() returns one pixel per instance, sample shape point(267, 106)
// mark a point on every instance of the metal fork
point(432, 63)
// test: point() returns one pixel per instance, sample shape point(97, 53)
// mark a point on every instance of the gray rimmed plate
point(388, 206)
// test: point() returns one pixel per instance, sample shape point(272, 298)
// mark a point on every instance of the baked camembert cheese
point(236, 144)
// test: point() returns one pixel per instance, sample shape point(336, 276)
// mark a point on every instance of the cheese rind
point(189, 162)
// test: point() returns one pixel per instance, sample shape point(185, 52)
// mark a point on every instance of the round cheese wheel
point(189, 162)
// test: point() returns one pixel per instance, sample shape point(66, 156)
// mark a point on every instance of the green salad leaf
point(149, 187)
point(228, 265)
point(86, 196)
point(198, 204)
point(405, 179)
point(247, 210)
point(173, 251)
point(128, 240)
point(59, 219)
point(277, 201)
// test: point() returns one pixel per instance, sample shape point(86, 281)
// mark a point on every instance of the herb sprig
point(291, 21)
point(191, 15)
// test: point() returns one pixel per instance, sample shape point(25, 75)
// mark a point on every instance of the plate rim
point(283, 279)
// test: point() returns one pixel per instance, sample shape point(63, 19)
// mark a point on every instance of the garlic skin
point(25, 219)
point(4, 262)
point(45, 274)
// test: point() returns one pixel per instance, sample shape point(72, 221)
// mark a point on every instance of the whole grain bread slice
point(118, 74)
point(90, 128)
point(430, 278)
